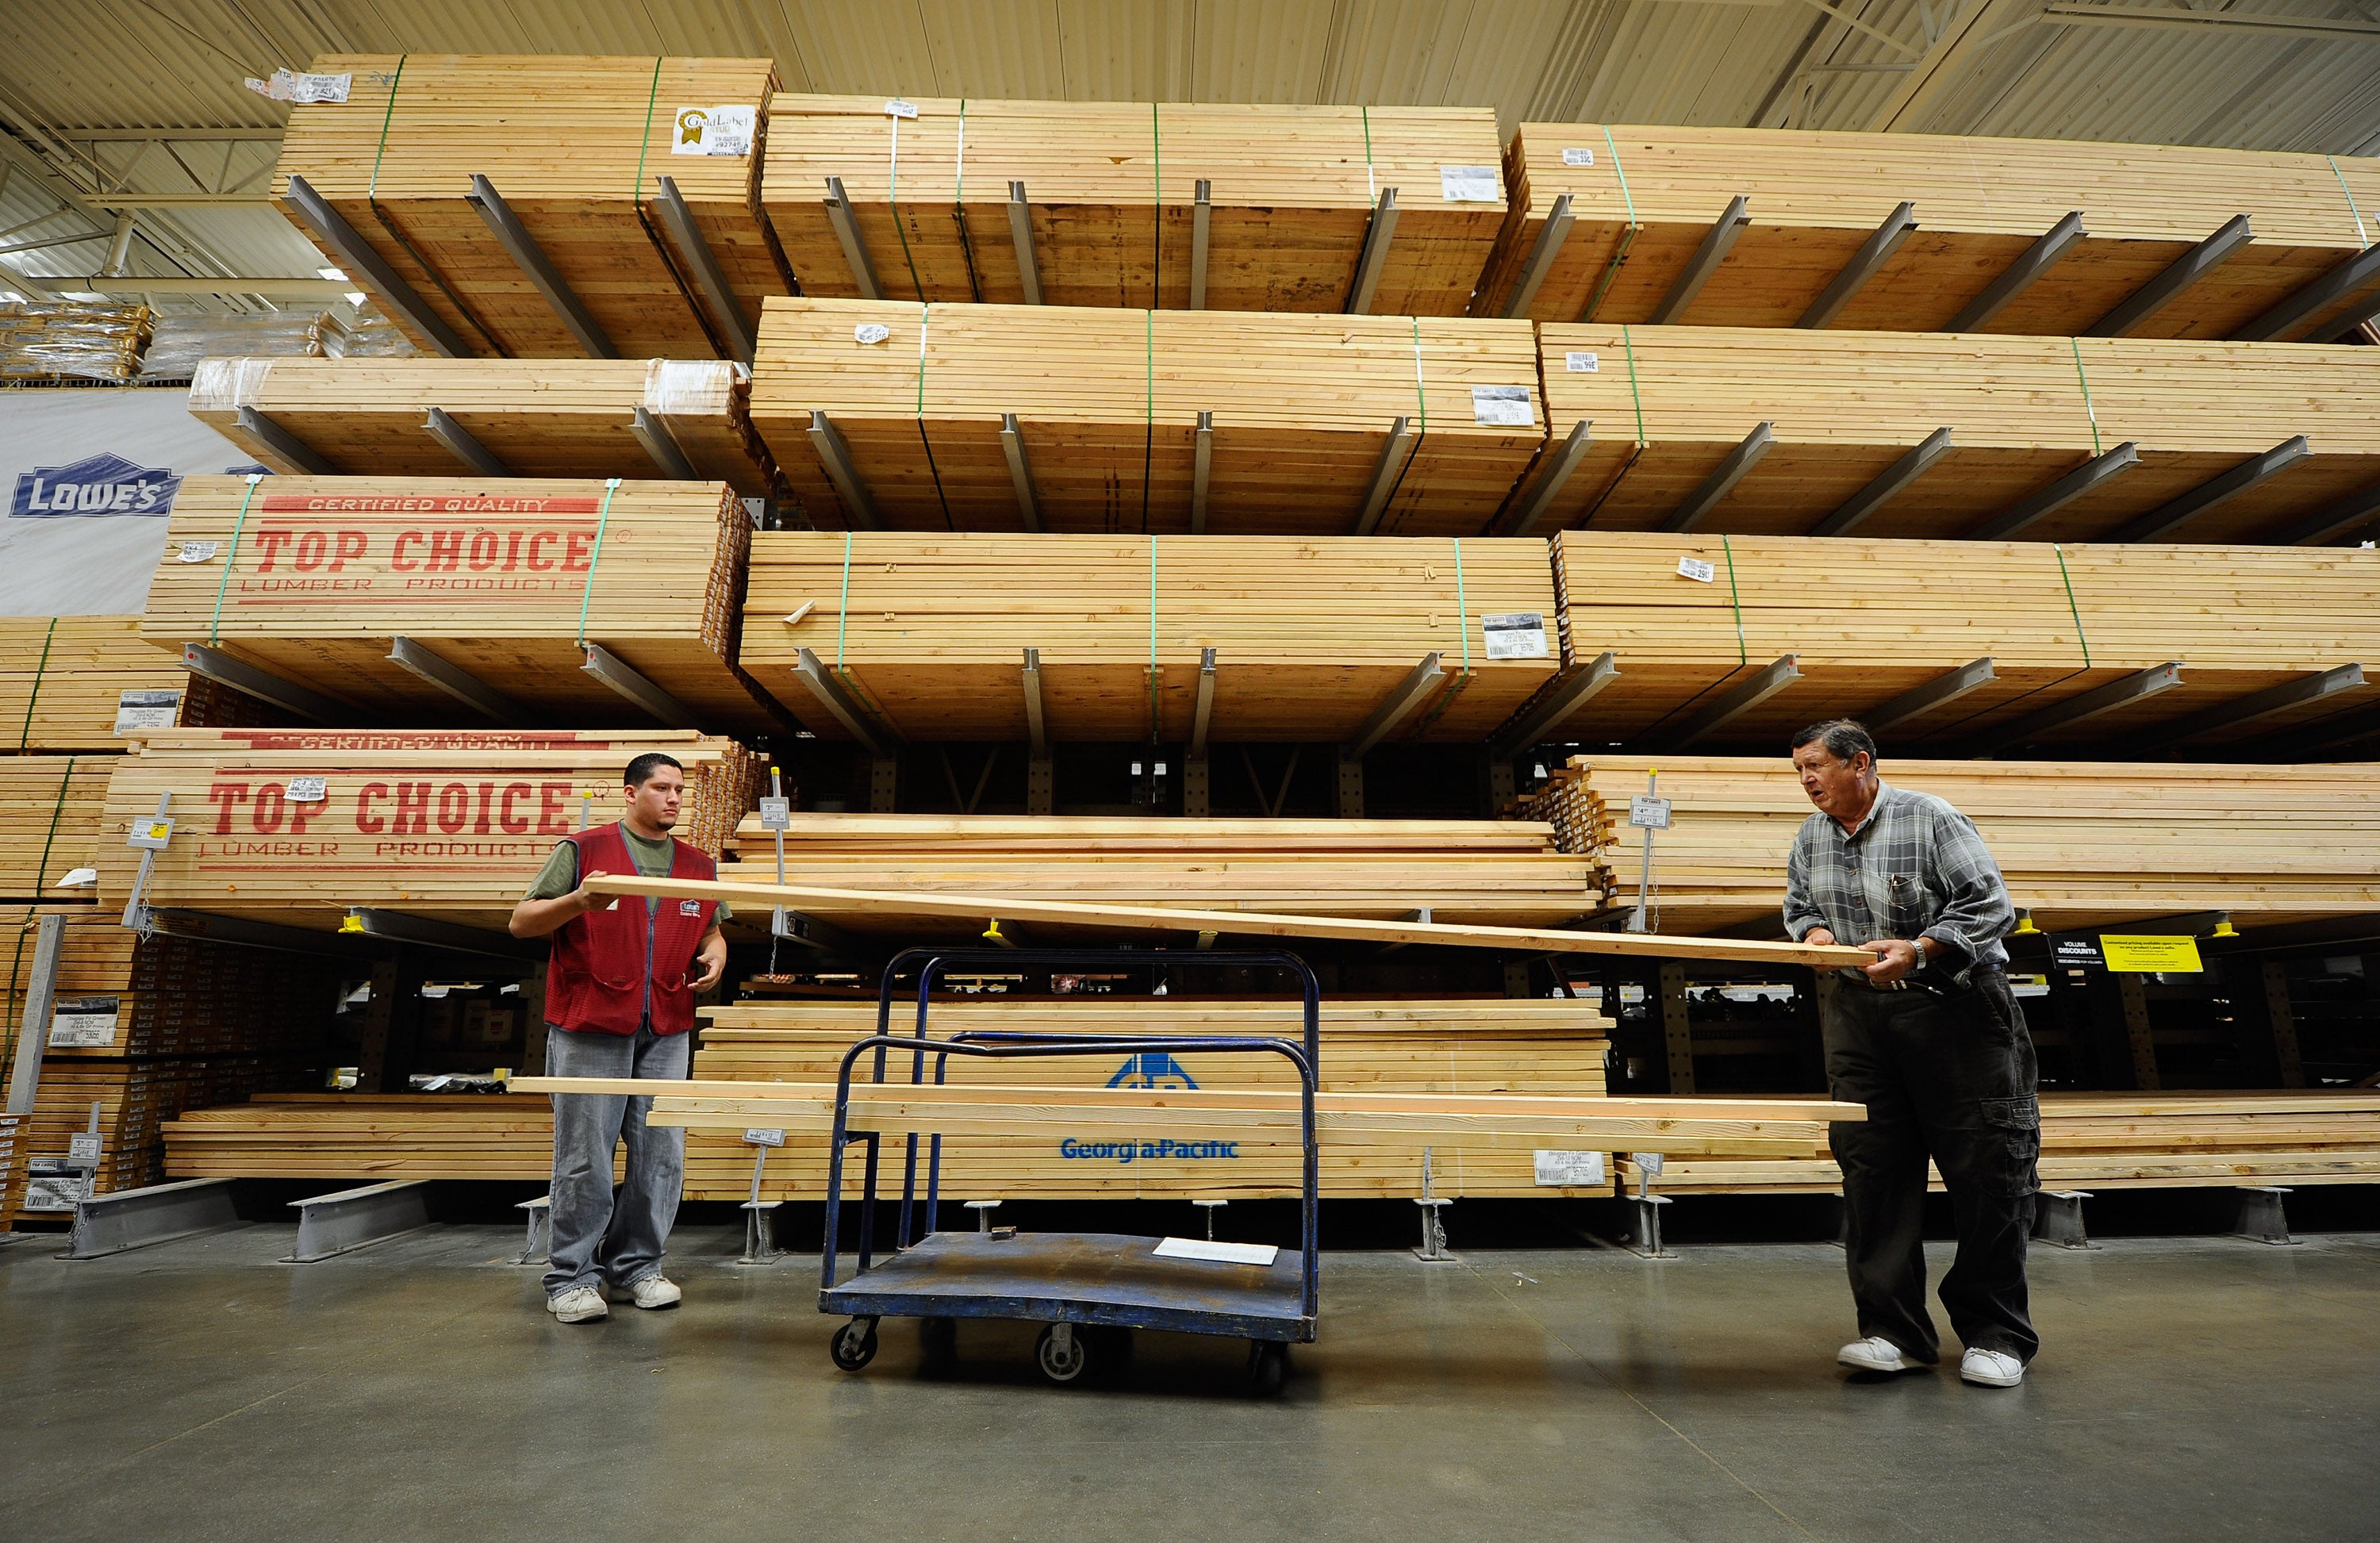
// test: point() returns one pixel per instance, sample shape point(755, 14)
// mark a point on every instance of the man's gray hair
point(1844, 738)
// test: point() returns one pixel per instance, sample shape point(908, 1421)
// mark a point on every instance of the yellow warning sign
point(2150, 955)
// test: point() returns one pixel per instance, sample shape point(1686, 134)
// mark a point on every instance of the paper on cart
point(1218, 1253)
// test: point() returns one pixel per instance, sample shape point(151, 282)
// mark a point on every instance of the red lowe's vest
point(611, 966)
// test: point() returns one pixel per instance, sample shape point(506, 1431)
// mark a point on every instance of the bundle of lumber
point(1483, 870)
point(1170, 205)
point(134, 1099)
point(2125, 1140)
point(1030, 417)
point(180, 345)
point(2080, 844)
point(1309, 634)
point(53, 803)
point(72, 341)
point(1887, 630)
point(423, 417)
point(367, 1135)
point(1448, 1046)
point(297, 826)
point(1817, 206)
point(1786, 432)
point(519, 600)
point(82, 683)
point(575, 151)
point(16, 1159)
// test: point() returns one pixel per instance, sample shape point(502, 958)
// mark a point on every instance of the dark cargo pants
point(1951, 1077)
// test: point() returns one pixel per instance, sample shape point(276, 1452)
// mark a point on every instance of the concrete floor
point(2189, 1389)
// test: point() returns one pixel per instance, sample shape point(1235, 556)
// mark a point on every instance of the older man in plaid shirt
point(1930, 1039)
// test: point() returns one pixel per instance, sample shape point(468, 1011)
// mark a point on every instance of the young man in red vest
point(619, 1003)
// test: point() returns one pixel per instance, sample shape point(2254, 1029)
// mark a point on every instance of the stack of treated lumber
point(72, 341)
point(2080, 844)
point(1644, 199)
point(1111, 193)
point(2128, 1140)
point(135, 1099)
point(1690, 618)
point(1668, 406)
point(81, 683)
point(576, 148)
point(505, 581)
point(16, 1157)
point(367, 1135)
point(1550, 1047)
point(1309, 634)
point(1505, 872)
point(54, 804)
point(1304, 414)
point(535, 417)
point(296, 826)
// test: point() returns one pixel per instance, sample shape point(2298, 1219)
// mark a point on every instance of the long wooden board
point(63, 681)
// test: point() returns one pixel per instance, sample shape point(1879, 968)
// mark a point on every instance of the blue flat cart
point(1088, 1289)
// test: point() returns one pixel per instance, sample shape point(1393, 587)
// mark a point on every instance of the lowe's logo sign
point(103, 485)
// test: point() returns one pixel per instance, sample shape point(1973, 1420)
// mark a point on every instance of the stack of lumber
point(2080, 844)
point(1309, 633)
point(16, 1159)
point(1112, 190)
point(577, 147)
point(1867, 621)
point(539, 418)
point(66, 683)
point(1645, 198)
point(180, 345)
point(1668, 405)
point(54, 804)
point(1549, 1047)
point(448, 825)
point(1107, 404)
point(368, 1136)
point(505, 581)
point(135, 1099)
point(71, 341)
point(1503, 872)
point(2127, 1140)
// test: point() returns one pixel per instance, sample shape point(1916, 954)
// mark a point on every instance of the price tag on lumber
point(1567, 1169)
point(727, 130)
point(1697, 570)
point(1577, 155)
point(900, 109)
point(2135, 955)
point(776, 814)
point(83, 1147)
point(198, 551)
point(1648, 813)
point(1514, 635)
point(756, 1136)
point(1579, 362)
point(1649, 1162)
point(1467, 184)
point(150, 835)
point(86, 1023)
point(146, 709)
point(309, 790)
point(1502, 407)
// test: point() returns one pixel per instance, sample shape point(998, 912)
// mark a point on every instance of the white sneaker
point(1991, 1368)
point(1877, 1353)
point(578, 1305)
point(654, 1291)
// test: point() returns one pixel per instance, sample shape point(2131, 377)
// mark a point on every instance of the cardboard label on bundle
point(1579, 363)
point(309, 790)
point(52, 1192)
point(1648, 813)
point(146, 709)
point(1506, 406)
point(1697, 570)
point(84, 1024)
point(198, 551)
point(2135, 955)
point(759, 1137)
point(289, 85)
point(1568, 1168)
point(1514, 635)
point(776, 814)
point(1577, 155)
point(1467, 184)
point(727, 130)
point(871, 332)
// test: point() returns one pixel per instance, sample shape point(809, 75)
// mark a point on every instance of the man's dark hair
point(1843, 737)
point(640, 770)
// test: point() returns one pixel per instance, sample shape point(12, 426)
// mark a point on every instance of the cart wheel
point(938, 1339)
point(853, 1344)
point(1068, 1369)
point(1267, 1364)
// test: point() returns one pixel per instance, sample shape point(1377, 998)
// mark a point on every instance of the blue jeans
point(599, 1237)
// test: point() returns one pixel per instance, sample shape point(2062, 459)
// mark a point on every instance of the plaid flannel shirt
point(1916, 869)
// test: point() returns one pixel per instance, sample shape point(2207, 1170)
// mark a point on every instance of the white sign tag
point(1217, 1253)
point(871, 332)
point(1578, 363)
point(1514, 635)
point(727, 130)
point(309, 790)
point(84, 1024)
point(1648, 813)
point(1503, 406)
point(289, 85)
point(83, 1147)
point(776, 814)
point(52, 1192)
point(1648, 1162)
point(1697, 570)
point(1570, 1168)
point(900, 109)
point(756, 1136)
point(146, 709)
point(150, 835)
point(1577, 155)
point(1467, 184)
point(198, 551)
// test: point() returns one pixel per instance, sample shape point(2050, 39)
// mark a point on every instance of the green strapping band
point(2360, 233)
point(1149, 428)
point(2069, 578)
point(25, 735)
point(2087, 407)
point(652, 95)
point(41, 874)
point(843, 606)
point(1634, 394)
point(1152, 638)
point(1626, 241)
point(602, 523)
point(1157, 203)
point(893, 202)
point(1743, 655)
point(1463, 615)
point(1421, 397)
point(214, 622)
point(1371, 183)
point(371, 188)
point(925, 314)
